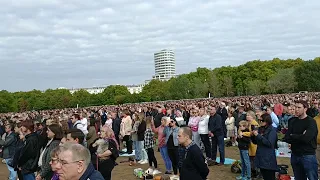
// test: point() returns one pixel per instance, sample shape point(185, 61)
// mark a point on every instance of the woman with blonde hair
point(107, 160)
point(253, 125)
point(137, 135)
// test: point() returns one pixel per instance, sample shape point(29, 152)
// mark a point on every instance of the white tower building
point(165, 65)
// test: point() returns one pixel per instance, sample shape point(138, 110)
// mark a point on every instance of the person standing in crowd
point(217, 136)
point(302, 135)
point(92, 133)
point(103, 117)
point(193, 165)
point(171, 133)
point(74, 163)
point(194, 125)
point(19, 145)
point(116, 122)
point(203, 131)
point(275, 120)
point(53, 162)
point(77, 124)
point(137, 136)
point(243, 145)
point(30, 153)
point(158, 117)
point(223, 112)
point(55, 135)
point(179, 118)
point(42, 132)
point(105, 166)
point(162, 143)
point(126, 129)
point(75, 136)
point(266, 139)
point(251, 118)
point(313, 110)
point(285, 115)
point(317, 119)
point(229, 122)
point(8, 149)
point(149, 144)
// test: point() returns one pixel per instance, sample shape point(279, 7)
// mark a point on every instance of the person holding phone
point(266, 139)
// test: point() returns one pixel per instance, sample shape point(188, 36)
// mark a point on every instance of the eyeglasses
point(64, 162)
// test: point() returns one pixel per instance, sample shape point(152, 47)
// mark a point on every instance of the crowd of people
point(82, 143)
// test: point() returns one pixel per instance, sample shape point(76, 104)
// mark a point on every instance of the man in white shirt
point(77, 123)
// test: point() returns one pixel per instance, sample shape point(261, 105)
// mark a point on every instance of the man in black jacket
point(116, 121)
point(30, 153)
point(193, 165)
point(302, 135)
point(8, 149)
point(217, 135)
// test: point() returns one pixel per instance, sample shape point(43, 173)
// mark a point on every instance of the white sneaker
point(155, 172)
point(140, 161)
point(144, 162)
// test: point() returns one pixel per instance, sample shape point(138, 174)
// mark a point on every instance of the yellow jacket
point(317, 119)
point(252, 147)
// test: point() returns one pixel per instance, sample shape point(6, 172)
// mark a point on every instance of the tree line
point(252, 78)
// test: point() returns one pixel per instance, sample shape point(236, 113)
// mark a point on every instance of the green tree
point(255, 87)
point(109, 93)
point(6, 101)
point(283, 81)
point(307, 75)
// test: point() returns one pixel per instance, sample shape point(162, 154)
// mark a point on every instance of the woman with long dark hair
point(55, 135)
point(266, 139)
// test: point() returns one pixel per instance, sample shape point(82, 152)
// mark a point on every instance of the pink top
point(193, 123)
point(161, 137)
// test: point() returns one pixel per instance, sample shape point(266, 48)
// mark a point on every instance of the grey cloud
point(54, 43)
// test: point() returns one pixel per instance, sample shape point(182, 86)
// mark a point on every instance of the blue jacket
point(266, 155)
point(167, 132)
point(91, 174)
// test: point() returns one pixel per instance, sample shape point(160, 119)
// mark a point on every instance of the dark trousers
point(105, 168)
point(268, 174)
point(152, 158)
point(118, 139)
point(128, 141)
point(206, 143)
point(20, 176)
point(174, 157)
point(217, 142)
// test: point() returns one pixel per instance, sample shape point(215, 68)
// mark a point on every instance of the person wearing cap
point(302, 135)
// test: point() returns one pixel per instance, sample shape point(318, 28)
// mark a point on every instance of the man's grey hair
point(79, 152)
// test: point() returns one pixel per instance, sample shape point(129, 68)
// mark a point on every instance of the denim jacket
point(167, 132)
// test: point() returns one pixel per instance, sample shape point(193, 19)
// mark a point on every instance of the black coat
point(30, 153)
point(116, 126)
point(215, 125)
point(141, 129)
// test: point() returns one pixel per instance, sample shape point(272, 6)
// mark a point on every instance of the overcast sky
point(81, 43)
